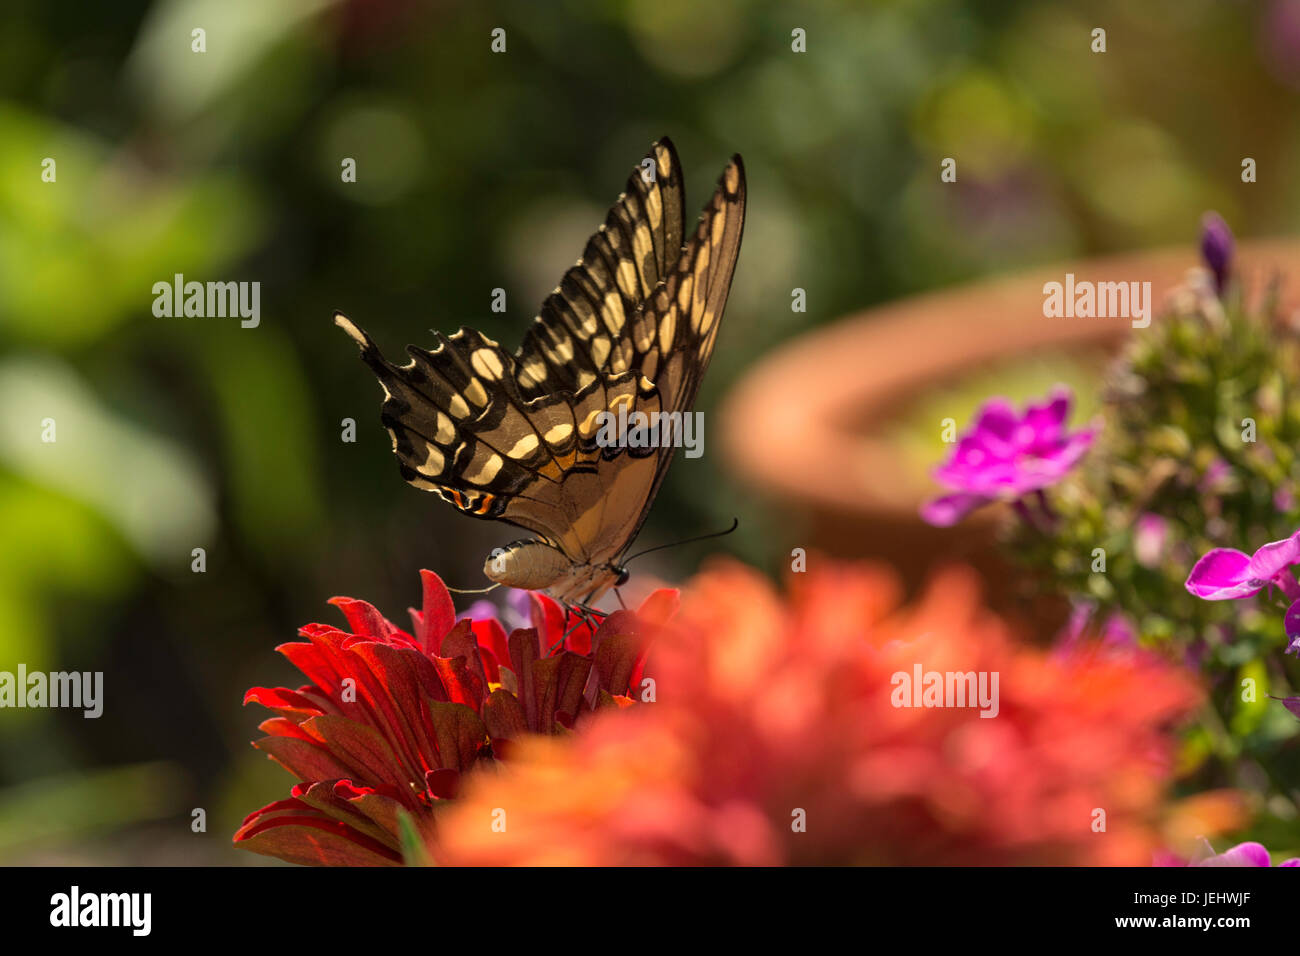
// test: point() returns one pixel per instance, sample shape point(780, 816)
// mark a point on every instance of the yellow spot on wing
point(487, 472)
point(628, 280)
point(434, 461)
point(654, 208)
point(487, 363)
point(446, 430)
point(684, 294)
point(589, 426)
point(557, 434)
point(667, 326)
point(524, 447)
point(536, 370)
point(475, 393)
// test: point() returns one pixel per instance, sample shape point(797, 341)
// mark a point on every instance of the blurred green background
point(475, 171)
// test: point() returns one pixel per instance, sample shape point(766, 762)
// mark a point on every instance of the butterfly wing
point(632, 325)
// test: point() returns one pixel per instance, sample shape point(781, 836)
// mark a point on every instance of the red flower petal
point(361, 747)
point(311, 838)
point(461, 642)
point(492, 637)
point(616, 657)
point(460, 734)
point(439, 613)
point(365, 619)
point(659, 607)
point(504, 717)
point(547, 619)
point(281, 700)
point(306, 761)
point(443, 784)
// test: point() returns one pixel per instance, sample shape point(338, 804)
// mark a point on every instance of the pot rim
point(810, 396)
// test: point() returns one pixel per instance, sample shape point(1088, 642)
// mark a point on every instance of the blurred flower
point(392, 719)
point(1217, 248)
point(776, 739)
point(1224, 573)
point(1244, 854)
point(1117, 631)
point(1218, 477)
point(1279, 31)
point(1291, 703)
point(1007, 455)
point(1188, 821)
point(1149, 539)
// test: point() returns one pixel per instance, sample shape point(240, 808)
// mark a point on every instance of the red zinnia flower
point(391, 720)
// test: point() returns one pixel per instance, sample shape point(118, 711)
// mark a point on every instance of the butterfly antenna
point(474, 590)
point(735, 523)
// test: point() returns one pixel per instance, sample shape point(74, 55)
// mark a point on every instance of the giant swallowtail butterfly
point(514, 437)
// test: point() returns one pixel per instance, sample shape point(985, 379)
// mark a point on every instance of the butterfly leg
point(584, 614)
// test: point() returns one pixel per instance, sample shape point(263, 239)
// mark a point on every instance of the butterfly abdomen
point(529, 565)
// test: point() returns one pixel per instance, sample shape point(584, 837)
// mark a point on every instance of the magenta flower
point(1244, 854)
point(1224, 574)
point(1007, 455)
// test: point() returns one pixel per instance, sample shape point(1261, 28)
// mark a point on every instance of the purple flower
point(514, 614)
point(1007, 455)
point(1216, 248)
point(1292, 621)
point(1244, 854)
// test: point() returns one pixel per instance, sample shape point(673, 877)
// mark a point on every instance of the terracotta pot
point(823, 399)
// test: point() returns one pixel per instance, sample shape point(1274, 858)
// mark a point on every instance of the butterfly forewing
point(580, 329)
point(673, 337)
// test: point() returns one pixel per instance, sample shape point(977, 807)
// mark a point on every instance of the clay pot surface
point(821, 402)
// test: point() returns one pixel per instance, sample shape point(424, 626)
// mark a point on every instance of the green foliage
point(1174, 475)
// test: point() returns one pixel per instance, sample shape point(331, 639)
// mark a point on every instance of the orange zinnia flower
point(790, 731)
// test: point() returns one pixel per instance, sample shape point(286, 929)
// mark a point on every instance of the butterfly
point(516, 438)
